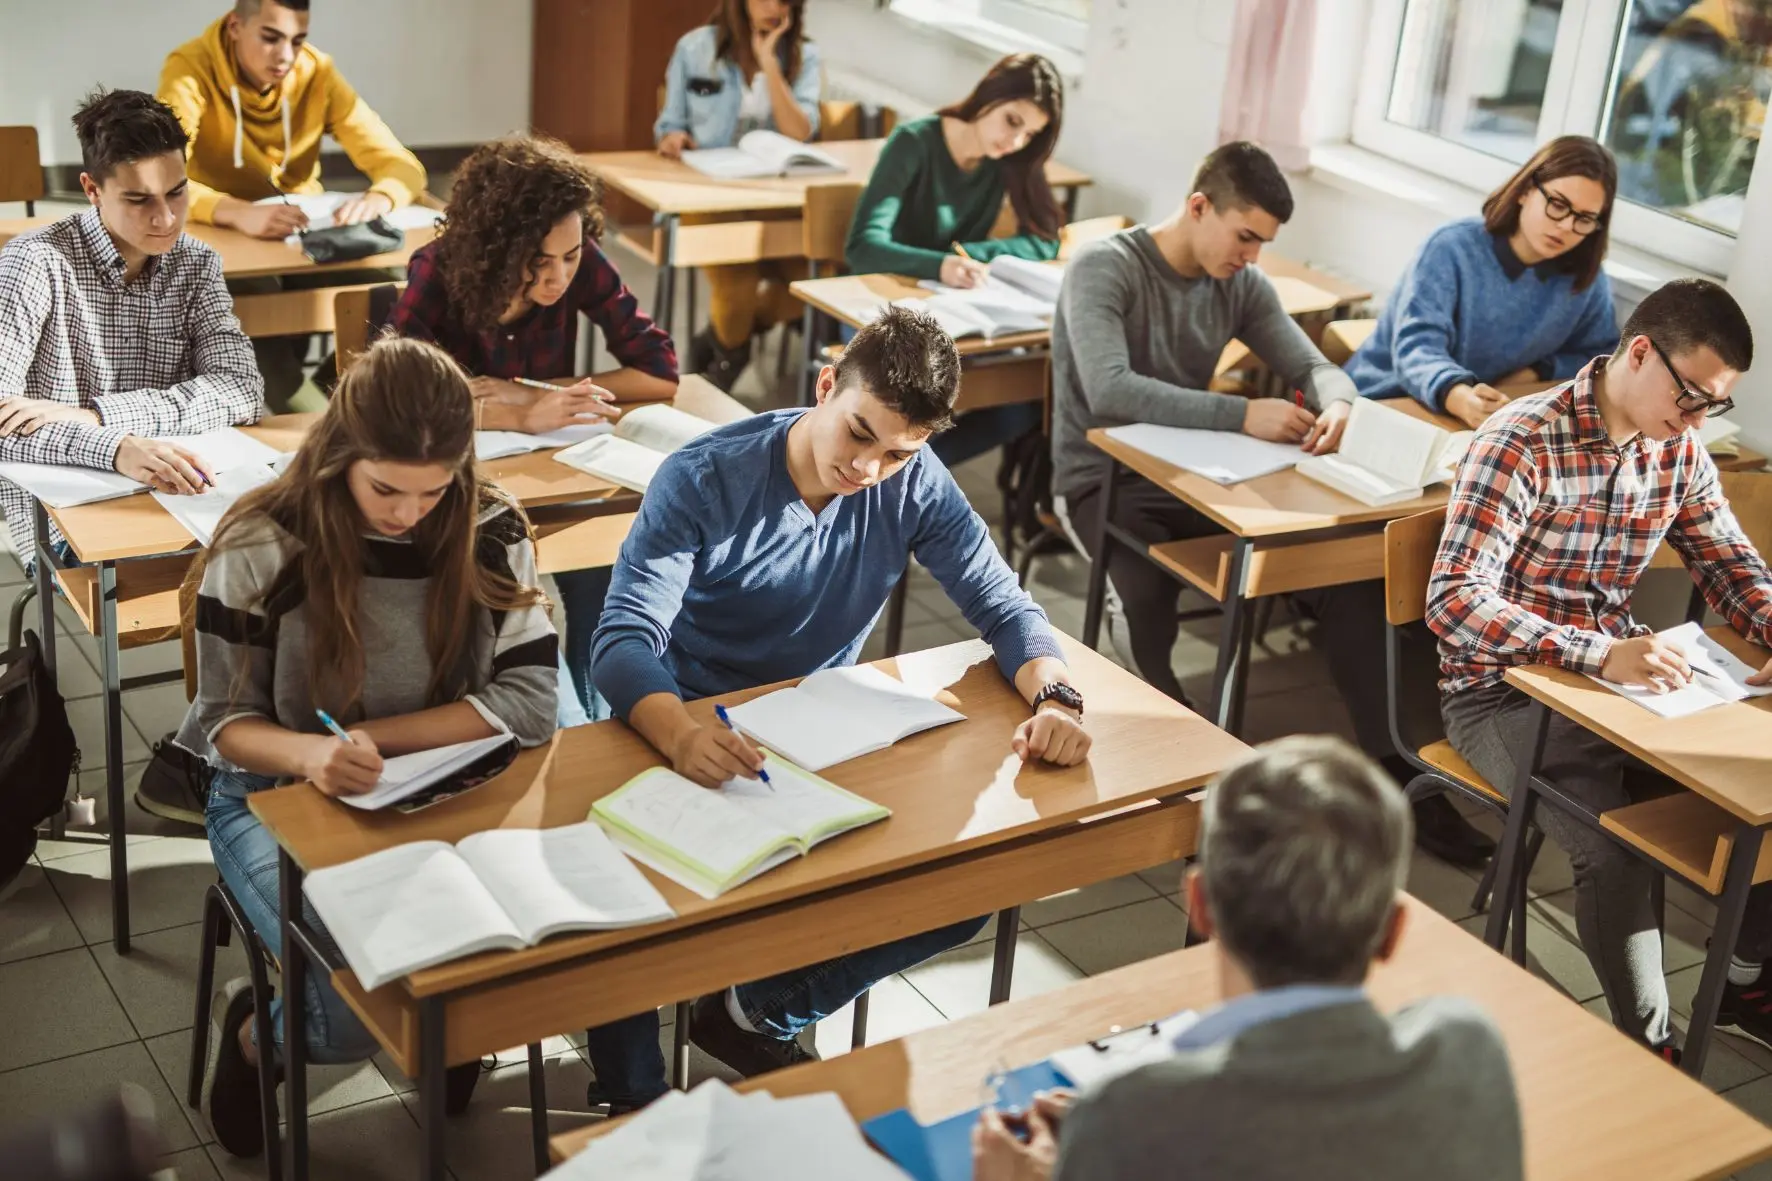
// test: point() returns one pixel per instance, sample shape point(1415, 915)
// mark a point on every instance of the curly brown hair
point(508, 194)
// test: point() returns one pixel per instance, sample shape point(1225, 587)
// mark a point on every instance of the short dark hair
point(246, 9)
point(1692, 313)
point(1239, 175)
point(905, 359)
point(120, 126)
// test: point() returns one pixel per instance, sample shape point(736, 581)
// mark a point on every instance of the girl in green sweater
point(941, 182)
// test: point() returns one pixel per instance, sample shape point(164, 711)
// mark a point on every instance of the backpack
point(37, 752)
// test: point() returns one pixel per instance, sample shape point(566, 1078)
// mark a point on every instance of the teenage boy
point(1304, 847)
point(257, 100)
point(115, 326)
point(1556, 510)
point(765, 550)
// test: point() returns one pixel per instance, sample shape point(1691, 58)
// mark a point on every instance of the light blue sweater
point(727, 579)
point(1469, 311)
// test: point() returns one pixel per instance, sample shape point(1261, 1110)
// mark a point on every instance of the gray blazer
point(1332, 1094)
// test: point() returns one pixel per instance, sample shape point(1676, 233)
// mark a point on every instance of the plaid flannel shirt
point(1551, 524)
point(162, 355)
point(542, 343)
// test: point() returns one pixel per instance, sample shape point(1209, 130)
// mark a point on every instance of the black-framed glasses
point(1689, 399)
point(1559, 210)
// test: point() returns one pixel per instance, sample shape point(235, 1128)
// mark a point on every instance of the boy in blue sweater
point(765, 550)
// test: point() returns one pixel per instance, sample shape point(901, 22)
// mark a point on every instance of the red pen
point(1298, 397)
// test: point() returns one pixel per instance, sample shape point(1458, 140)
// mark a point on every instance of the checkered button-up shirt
point(1551, 524)
point(162, 355)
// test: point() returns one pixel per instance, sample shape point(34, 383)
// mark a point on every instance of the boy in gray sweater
point(1304, 847)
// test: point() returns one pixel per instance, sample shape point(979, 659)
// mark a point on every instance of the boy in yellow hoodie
point(256, 99)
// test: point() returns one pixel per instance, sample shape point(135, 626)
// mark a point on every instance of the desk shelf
point(1688, 834)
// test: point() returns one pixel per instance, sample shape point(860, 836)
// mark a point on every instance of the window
point(1062, 24)
point(1677, 90)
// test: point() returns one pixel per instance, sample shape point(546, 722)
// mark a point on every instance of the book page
point(405, 775)
point(954, 318)
point(1224, 457)
point(499, 444)
point(1394, 445)
point(801, 803)
point(684, 820)
point(784, 154)
point(61, 485)
point(1718, 677)
point(225, 448)
point(660, 428)
point(559, 879)
point(865, 690)
point(1039, 280)
point(728, 164)
point(614, 459)
point(409, 907)
point(202, 514)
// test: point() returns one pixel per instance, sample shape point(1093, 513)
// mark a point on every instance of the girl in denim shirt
point(749, 68)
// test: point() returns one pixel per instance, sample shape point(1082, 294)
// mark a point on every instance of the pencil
point(961, 251)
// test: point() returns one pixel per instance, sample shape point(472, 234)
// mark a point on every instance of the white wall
point(440, 72)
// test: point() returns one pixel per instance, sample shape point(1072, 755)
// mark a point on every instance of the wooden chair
point(1343, 338)
point(1081, 233)
point(840, 120)
point(824, 233)
point(358, 315)
point(1750, 497)
point(21, 167)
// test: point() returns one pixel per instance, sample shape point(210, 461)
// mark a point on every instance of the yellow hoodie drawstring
point(240, 130)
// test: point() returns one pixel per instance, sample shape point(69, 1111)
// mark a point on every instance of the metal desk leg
point(1510, 865)
point(1098, 568)
point(45, 589)
point(1070, 203)
point(808, 347)
point(665, 293)
point(538, 1107)
point(1738, 879)
point(107, 645)
point(431, 1073)
point(1003, 955)
point(295, 1033)
point(1227, 679)
point(680, 1046)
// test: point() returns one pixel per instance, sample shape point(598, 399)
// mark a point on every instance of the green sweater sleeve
point(871, 249)
point(1029, 246)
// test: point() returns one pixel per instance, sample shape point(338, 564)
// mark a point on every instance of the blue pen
point(326, 720)
point(726, 721)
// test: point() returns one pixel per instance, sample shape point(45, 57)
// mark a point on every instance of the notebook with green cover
point(710, 840)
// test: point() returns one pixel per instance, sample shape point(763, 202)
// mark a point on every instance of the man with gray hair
point(1303, 851)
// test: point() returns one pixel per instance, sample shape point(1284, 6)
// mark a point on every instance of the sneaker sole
point(168, 811)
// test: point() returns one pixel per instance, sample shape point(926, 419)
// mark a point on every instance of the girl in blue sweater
point(1514, 295)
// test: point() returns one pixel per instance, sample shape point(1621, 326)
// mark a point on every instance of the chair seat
point(1448, 762)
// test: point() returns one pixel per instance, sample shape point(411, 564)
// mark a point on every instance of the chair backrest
point(842, 119)
point(1411, 668)
point(1080, 233)
point(358, 313)
point(21, 165)
point(1343, 338)
point(829, 210)
point(1750, 496)
point(1409, 546)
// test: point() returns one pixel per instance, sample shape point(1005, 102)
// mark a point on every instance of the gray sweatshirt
point(1134, 341)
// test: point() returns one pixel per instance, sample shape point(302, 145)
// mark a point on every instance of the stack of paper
point(1717, 677)
point(1122, 1050)
point(1224, 457)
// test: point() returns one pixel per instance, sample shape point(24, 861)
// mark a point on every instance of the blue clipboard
point(943, 1151)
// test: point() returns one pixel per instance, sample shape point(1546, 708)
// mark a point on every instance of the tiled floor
point(78, 1018)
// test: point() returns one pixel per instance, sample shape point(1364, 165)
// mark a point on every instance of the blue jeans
point(624, 1054)
point(978, 431)
point(784, 1004)
point(582, 593)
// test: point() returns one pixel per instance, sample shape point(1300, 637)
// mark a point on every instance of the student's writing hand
point(673, 145)
point(1053, 735)
point(269, 221)
point(340, 768)
point(710, 755)
point(1277, 420)
point(572, 405)
point(25, 416)
point(1471, 404)
point(1325, 435)
point(1763, 677)
point(998, 1154)
point(1054, 1104)
point(962, 272)
point(1649, 661)
point(163, 466)
point(362, 207)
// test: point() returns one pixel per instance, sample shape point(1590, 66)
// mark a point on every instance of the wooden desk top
point(243, 256)
point(1277, 267)
point(1592, 1104)
point(1723, 754)
point(137, 527)
point(671, 186)
point(953, 790)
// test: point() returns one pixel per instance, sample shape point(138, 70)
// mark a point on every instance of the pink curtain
point(1269, 76)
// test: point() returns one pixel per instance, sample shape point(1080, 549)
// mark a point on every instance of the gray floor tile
point(895, 1009)
point(68, 1083)
point(139, 824)
point(57, 1005)
point(1550, 873)
point(371, 1141)
point(1118, 937)
point(958, 982)
point(1683, 946)
point(75, 676)
point(490, 1141)
point(138, 662)
point(156, 710)
point(1446, 888)
point(156, 981)
point(167, 878)
point(1072, 904)
point(33, 920)
point(1725, 1066)
point(1166, 879)
point(193, 1164)
point(1551, 954)
point(88, 720)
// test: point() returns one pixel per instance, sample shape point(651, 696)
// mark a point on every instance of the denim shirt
point(712, 119)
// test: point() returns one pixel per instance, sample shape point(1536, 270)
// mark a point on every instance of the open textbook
point(1018, 296)
point(630, 454)
point(838, 714)
point(66, 485)
point(426, 902)
point(760, 154)
point(1387, 456)
point(1717, 677)
point(426, 777)
point(711, 841)
point(201, 514)
point(1224, 457)
point(499, 444)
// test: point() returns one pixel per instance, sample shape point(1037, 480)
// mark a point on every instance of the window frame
point(1576, 91)
point(1069, 32)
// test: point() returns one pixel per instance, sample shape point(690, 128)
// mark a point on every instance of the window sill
point(1634, 273)
point(999, 39)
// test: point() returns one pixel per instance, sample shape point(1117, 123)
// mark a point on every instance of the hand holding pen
point(348, 767)
point(711, 755)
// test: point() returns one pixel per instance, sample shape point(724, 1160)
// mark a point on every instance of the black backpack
point(1024, 477)
point(37, 752)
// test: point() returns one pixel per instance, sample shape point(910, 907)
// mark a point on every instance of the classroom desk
point(1723, 755)
point(972, 831)
point(701, 221)
point(133, 556)
point(279, 313)
point(1591, 1103)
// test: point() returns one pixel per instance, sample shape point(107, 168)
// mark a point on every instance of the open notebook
point(202, 514)
point(711, 841)
point(1018, 296)
point(1718, 677)
point(321, 206)
point(64, 485)
point(838, 714)
point(425, 903)
point(1387, 456)
point(760, 154)
point(630, 455)
point(499, 444)
point(426, 777)
point(1224, 457)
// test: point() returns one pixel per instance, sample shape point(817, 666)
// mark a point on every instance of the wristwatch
point(1065, 695)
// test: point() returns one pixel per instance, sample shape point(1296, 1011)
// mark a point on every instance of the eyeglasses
point(1688, 399)
point(1559, 210)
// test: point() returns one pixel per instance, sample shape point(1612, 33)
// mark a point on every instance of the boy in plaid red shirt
point(1555, 513)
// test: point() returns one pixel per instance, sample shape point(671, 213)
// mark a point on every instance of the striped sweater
point(252, 638)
